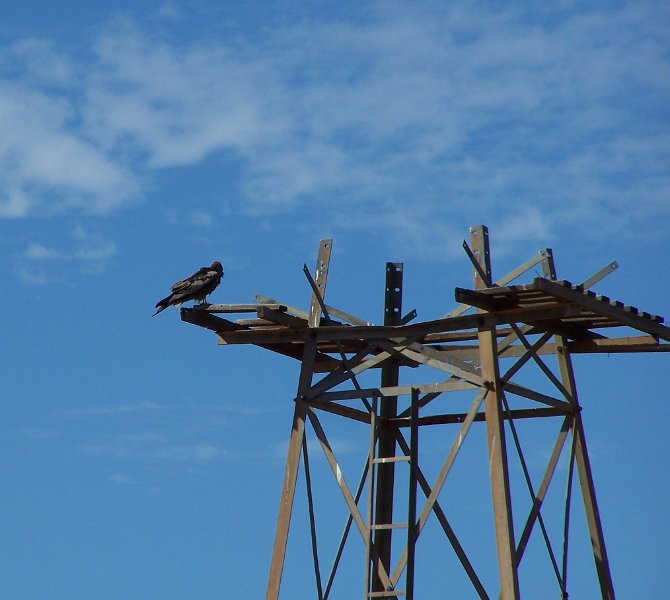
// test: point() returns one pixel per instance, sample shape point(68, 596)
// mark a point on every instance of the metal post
point(386, 444)
point(412, 528)
point(497, 451)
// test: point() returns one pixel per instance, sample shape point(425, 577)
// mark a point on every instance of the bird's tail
point(162, 305)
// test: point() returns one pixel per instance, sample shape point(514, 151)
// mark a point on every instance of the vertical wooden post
point(582, 456)
point(297, 429)
point(495, 430)
point(290, 475)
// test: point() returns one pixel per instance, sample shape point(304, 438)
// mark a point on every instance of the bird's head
point(218, 267)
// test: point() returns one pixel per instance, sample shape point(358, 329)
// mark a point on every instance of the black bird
point(196, 287)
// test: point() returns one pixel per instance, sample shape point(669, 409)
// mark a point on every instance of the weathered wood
point(290, 476)
point(495, 432)
point(617, 345)
point(236, 308)
point(280, 317)
point(377, 332)
point(628, 318)
point(509, 315)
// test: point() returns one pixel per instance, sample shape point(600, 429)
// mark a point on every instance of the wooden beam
point(495, 433)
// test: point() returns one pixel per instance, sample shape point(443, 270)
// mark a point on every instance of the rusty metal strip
point(542, 490)
point(412, 525)
point(371, 490)
point(566, 518)
point(342, 484)
point(442, 476)
point(596, 277)
point(386, 443)
point(312, 522)
point(446, 527)
point(345, 533)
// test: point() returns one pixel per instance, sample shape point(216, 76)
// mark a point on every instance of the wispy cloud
point(151, 445)
point(115, 409)
point(121, 479)
point(413, 116)
point(86, 252)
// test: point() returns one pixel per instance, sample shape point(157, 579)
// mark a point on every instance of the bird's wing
point(185, 284)
point(194, 284)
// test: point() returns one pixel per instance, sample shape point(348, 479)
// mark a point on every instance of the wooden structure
point(496, 331)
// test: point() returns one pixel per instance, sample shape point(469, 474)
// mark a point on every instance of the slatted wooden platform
point(546, 306)
point(594, 311)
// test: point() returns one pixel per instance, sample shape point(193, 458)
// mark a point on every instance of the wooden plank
point(332, 310)
point(642, 343)
point(290, 476)
point(339, 409)
point(417, 330)
point(451, 385)
point(582, 461)
point(520, 390)
point(628, 318)
point(438, 360)
point(542, 490)
point(495, 434)
point(320, 280)
point(236, 308)
point(280, 317)
point(520, 270)
point(487, 302)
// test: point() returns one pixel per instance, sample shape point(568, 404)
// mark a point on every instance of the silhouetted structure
point(496, 332)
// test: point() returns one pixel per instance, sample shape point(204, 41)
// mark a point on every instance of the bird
point(195, 287)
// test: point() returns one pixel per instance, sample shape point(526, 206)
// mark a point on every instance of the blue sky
point(140, 460)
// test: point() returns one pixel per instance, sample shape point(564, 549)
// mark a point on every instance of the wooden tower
point(494, 333)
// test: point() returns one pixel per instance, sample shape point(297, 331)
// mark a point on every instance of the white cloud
point(416, 116)
point(116, 409)
point(46, 165)
point(121, 479)
point(87, 253)
point(192, 452)
point(40, 252)
point(32, 276)
point(154, 446)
